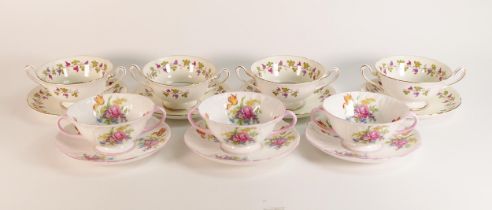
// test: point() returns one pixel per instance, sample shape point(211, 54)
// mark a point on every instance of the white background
point(451, 171)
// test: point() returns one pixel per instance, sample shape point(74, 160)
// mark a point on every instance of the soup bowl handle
point(412, 117)
point(290, 126)
point(325, 81)
point(363, 70)
point(241, 76)
point(193, 123)
point(137, 74)
point(62, 130)
point(456, 77)
point(117, 75)
point(161, 121)
point(217, 79)
point(31, 74)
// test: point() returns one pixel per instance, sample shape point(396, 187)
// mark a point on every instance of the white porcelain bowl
point(290, 79)
point(111, 121)
point(366, 120)
point(241, 120)
point(412, 79)
point(179, 81)
point(75, 78)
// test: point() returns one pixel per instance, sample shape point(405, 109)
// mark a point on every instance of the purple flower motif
point(391, 63)
point(362, 112)
point(415, 71)
point(263, 66)
point(175, 62)
point(86, 62)
point(299, 64)
point(270, 70)
point(409, 63)
point(246, 113)
point(304, 72)
point(280, 63)
point(158, 65)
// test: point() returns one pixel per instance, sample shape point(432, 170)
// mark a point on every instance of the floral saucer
point(312, 101)
point(146, 144)
point(178, 114)
point(330, 143)
point(275, 147)
point(446, 101)
point(40, 100)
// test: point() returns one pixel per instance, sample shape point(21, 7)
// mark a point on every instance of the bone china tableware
point(179, 114)
point(312, 101)
point(75, 78)
point(179, 81)
point(329, 142)
point(444, 102)
point(274, 147)
point(291, 79)
point(41, 100)
point(241, 120)
point(412, 79)
point(364, 120)
point(111, 122)
point(146, 144)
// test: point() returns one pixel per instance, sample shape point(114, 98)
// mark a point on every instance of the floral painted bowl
point(291, 79)
point(241, 120)
point(180, 80)
point(412, 79)
point(111, 121)
point(364, 120)
point(75, 78)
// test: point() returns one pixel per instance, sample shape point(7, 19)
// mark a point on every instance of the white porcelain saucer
point(178, 114)
point(40, 100)
point(312, 101)
point(275, 147)
point(330, 143)
point(146, 144)
point(446, 101)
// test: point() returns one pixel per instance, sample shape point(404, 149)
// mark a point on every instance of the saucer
point(313, 101)
point(178, 114)
point(330, 143)
point(446, 101)
point(145, 145)
point(275, 147)
point(40, 100)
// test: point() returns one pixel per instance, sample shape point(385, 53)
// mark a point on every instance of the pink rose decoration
point(241, 137)
point(399, 143)
point(113, 112)
point(150, 143)
point(279, 142)
point(118, 136)
point(372, 136)
point(246, 113)
point(362, 112)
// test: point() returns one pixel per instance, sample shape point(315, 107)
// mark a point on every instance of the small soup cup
point(111, 121)
point(412, 79)
point(366, 120)
point(75, 78)
point(241, 120)
point(179, 81)
point(291, 79)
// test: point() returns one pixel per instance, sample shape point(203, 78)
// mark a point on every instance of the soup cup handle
point(163, 118)
point(457, 76)
point(241, 76)
point(411, 117)
point(31, 74)
point(334, 74)
point(137, 74)
point(363, 71)
point(193, 123)
point(290, 126)
point(217, 81)
point(62, 130)
point(118, 74)
point(313, 117)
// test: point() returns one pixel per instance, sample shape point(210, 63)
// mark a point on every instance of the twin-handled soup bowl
point(412, 79)
point(366, 120)
point(291, 79)
point(179, 81)
point(112, 121)
point(241, 120)
point(75, 78)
